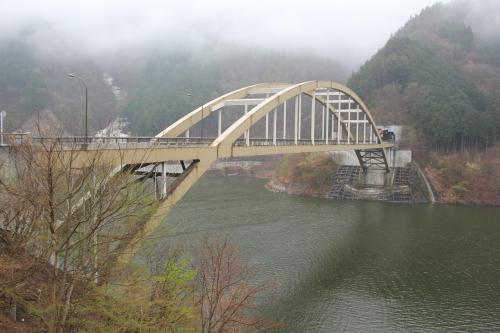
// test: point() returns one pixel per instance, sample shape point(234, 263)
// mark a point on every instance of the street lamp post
point(2, 115)
point(187, 131)
point(201, 123)
point(86, 103)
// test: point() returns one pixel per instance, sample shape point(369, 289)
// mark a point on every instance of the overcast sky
point(346, 30)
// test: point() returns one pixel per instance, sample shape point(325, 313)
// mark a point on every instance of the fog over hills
point(349, 31)
point(156, 51)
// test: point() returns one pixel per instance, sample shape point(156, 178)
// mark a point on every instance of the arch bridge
point(262, 119)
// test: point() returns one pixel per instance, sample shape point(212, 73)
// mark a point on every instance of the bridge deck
point(131, 150)
point(151, 152)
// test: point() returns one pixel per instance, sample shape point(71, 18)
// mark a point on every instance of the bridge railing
point(9, 139)
point(26, 138)
point(291, 142)
point(125, 140)
point(111, 142)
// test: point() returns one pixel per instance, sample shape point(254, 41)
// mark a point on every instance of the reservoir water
point(353, 266)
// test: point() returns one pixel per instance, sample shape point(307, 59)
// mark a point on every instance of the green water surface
point(353, 266)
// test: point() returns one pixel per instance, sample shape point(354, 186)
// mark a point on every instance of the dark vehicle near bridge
point(388, 135)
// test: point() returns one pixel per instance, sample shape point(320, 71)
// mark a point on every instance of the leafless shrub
point(72, 217)
point(225, 292)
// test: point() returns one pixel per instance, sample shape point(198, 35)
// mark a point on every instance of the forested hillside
point(33, 82)
point(440, 74)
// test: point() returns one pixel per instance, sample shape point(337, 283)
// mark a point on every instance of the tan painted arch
point(225, 141)
point(192, 118)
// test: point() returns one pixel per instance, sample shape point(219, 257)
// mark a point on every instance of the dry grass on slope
point(466, 178)
point(314, 171)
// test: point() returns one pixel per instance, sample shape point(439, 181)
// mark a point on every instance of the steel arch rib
point(226, 140)
point(205, 110)
point(132, 246)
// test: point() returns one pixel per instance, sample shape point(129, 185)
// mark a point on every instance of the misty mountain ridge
point(155, 80)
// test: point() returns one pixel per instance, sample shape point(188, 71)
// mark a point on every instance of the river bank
point(468, 179)
point(336, 176)
point(460, 178)
point(349, 183)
